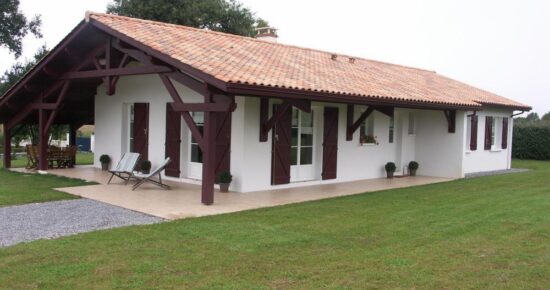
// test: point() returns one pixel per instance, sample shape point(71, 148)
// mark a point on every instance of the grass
point(18, 188)
point(489, 233)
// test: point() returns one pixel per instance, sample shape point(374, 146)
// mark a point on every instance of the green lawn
point(486, 233)
point(18, 188)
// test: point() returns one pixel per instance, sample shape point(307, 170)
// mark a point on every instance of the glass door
point(195, 153)
point(302, 146)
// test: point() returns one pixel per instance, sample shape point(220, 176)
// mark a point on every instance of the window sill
point(368, 144)
point(495, 150)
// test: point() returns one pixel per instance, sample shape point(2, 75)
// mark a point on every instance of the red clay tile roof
point(244, 60)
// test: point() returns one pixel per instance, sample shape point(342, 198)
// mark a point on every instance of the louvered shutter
point(473, 134)
point(488, 132)
point(504, 133)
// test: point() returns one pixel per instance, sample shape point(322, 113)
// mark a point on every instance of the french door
point(302, 147)
point(195, 153)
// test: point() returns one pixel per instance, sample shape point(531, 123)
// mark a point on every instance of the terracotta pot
point(412, 172)
point(390, 174)
point(224, 187)
point(104, 166)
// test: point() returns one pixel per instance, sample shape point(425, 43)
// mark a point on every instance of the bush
point(413, 165)
point(226, 177)
point(390, 167)
point(531, 141)
point(146, 166)
point(104, 159)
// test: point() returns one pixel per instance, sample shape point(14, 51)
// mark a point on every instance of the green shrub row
point(531, 142)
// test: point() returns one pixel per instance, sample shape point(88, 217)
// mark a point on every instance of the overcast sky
point(500, 46)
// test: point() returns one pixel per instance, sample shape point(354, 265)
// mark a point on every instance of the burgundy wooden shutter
point(488, 132)
point(330, 144)
point(141, 128)
point(173, 141)
point(223, 143)
point(280, 160)
point(504, 133)
point(473, 133)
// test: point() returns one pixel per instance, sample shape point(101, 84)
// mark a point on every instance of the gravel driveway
point(48, 220)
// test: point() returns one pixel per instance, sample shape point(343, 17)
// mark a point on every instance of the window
point(412, 124)
point(493, 132)
point(301, 146)
point(196, 153)
point(392, 125)
point(131, 128)
point(367, 131)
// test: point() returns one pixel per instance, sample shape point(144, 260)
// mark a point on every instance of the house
point(275, 116)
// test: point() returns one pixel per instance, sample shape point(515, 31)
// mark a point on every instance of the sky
point(500, 46)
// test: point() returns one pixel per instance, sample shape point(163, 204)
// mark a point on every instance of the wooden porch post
point(72, 135)
point(208, 156)
point(42, 140)
point(7, 147)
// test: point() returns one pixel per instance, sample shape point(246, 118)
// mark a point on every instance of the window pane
point(307, 119)
point(198, 117)
point(306, 138)
point(294, 156)
point(200, 127)
point(294, 137)
point(295, 115)
point(306, 155)
point(196, 153)
point(391, 129)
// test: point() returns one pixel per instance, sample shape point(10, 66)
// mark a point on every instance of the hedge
point(531, 142)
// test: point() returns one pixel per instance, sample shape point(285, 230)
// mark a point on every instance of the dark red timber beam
point(266, 123)
point(7, 147)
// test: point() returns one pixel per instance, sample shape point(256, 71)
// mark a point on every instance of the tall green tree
point(219, 15)
point(20, 68)
point(14, 26)
point(546, 117)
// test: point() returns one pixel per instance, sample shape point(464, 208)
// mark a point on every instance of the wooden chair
point(55, 156)
point(32, 157)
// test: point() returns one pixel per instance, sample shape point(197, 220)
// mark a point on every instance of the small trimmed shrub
point(390, 167)
point(413, 165)
point(104, 159)
point(226, 177)
point(146, 166)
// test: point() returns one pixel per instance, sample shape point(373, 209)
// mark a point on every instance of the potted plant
point(390, 169)
point(413, 166)
point(146, 167)
point(105, 160)
point(225, 180)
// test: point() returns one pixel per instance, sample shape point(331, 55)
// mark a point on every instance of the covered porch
point(184, 200)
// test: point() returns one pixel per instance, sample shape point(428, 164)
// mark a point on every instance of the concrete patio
point(184, 200)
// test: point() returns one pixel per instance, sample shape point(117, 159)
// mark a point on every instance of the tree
point(14, 26)
point(533, 116)
point(19, 69)
point(10, 77)
point(218, 15)
point(546, 117)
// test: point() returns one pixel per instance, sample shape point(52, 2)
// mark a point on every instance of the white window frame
point(411, 130)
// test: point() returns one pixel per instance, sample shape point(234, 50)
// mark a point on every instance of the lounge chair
point(143, 178)
point(125, 167)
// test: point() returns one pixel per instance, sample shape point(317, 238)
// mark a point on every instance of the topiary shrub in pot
point(413, 166)
point(225, 180)
point(105, 160)
point(390, 169)
point(146, 167)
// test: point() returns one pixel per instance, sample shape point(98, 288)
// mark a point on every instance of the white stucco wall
point(111, 118)
point(487, 160)
point(438, 152)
